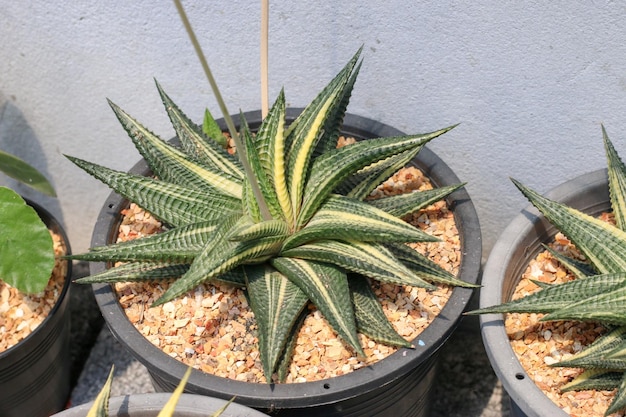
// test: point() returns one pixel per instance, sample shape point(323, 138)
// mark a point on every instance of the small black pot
point(149, 405)
point(399, 385)
point(516, 247)
point(35, 373)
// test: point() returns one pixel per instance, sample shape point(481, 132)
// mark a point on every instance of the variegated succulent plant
point(599, 290)
point(288, 220)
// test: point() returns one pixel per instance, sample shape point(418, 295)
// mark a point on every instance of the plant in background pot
point(176, 404)
point(34, 282)
point(596, 294)
point(288, 219)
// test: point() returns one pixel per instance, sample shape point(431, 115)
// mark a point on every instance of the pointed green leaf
point(578, 268)
point(100, 407)
point(181, 244)
point(25, 244)
point(606, 307)
point(170, 164)
point(327, 287)
point(137, 271)
point(330, 169)
point(19, 170)
point(402, 204)
point(246, 229)
point(595, 355)
point(619, 400)
point(601, 243)
point(346, 219)
point(369, 315)
point(170, 405)
point(370, 259)
point(559, 296)
point(174, 204)
point(276, 303)
point(210, 150)
point(617, 182)
point(282, 369)
point(599, 379)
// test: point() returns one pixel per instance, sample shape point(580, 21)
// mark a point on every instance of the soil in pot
point(213, 329)
point(538, 345)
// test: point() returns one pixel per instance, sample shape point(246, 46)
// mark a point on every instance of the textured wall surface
point(530, 83)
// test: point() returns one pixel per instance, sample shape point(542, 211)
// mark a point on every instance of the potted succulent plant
point(34, 318)
point(176, 404)
point(288, 219)
point(595, 295)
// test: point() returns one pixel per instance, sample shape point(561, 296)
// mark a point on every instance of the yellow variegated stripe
point(174, 204)
point(403, 204)
point(137, 271)
point(100, 407)
point(617, 182)
point(276, 303)
point(370, 259)
point(327, 287)
point(248, 230)
point(197, 145)
point(604, 245)
point(347, 219)
point(605, 307)
point(332, 168)
point(223, 408)
point(173, 165)
point(299, 163)
point(170, 405)
point(596, 354)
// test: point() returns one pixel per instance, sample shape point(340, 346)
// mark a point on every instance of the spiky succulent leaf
point(402, 204)
point(619, 400)
point(346, 219)
point(326, 286)
point(369, 315)
point(578, 268)
point(596, 354)
point(137, 271)
point(171, 164)
point(370, 259)
point(176, 205)
point(211, 151)
point(100, 407)
point(276, 303)
point(330, 169)
point(560, 296)
point(605, 307)
point(599, 379)
point(601, 243)
point(617, 182)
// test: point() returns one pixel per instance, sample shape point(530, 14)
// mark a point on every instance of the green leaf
point(599, 379)
point(402, 204)
point(619, 400)
point(282, 369)
point(100, 407)
point(601, 243)
point(596, 355)
point(332, 168)
point(617, 182)
point(370, 259)
point(137, 271)
point(578, 268)
point(346, 219)
point(327, 287)
point(19, 170)
point(212, 129)
point(176, 205)
point(276, 303)
point(170, 405)
point(559, 296)
point(369, 315)
point(606, 307)
point(25, 244)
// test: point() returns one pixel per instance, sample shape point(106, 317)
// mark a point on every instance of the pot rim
point(519, 243)
point(341, 387)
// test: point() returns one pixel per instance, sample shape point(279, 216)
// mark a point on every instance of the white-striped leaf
point(402, 204)
point(246, 229)
point(195, 144)
point(619, 399)
point(346, 219)
point(137, 271)
point(327, 287)
point(601, 243)
point(276, 303)
point(599, 379)
point(369, 315)
point(170, 164)
point(100, 407)
point(370, 259)
point(578, 268)
point(606, 307)
point(596, 354)
point(174, 204)
point(617, 182)
point(332, 168)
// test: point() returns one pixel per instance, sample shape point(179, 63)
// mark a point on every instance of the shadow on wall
point(19, 139)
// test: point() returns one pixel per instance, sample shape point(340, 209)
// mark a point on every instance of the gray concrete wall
point(530, 82)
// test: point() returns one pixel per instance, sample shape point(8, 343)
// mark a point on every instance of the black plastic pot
point(35, 373)
point(149, 405)
point(516, 247)
point(398, 385)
